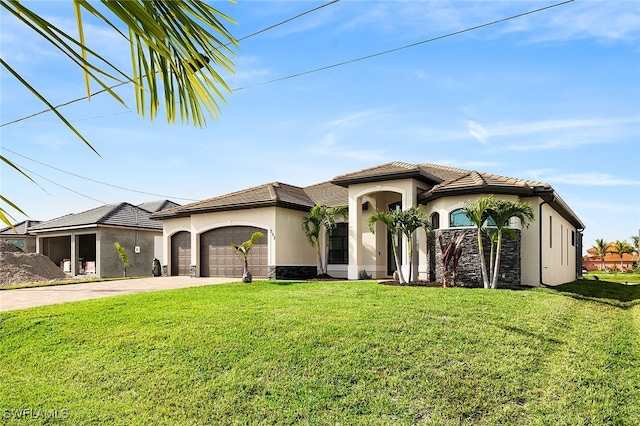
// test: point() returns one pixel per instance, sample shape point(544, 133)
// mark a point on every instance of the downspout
point(553, 197)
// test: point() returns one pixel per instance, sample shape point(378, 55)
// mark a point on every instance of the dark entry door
point(181, 253)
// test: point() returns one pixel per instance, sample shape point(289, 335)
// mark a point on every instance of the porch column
point(355, 237)
point(195, 253)
point(166, 251)
point(74, 255)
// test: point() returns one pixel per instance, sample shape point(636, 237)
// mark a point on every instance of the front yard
point(328, 353)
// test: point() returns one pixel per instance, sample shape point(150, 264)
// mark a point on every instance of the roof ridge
point(442, 167)
point(111, 212)
point(405, 165)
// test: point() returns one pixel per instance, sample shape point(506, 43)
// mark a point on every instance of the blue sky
point(553, 96)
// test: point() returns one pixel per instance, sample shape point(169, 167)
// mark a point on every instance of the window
point(17, 243)
point(435, 221)
point(550, 232)
point(339, 245)
point(458, 218)
point(573, 238)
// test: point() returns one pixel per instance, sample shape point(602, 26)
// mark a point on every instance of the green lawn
point(328, 353)
point(616, 277)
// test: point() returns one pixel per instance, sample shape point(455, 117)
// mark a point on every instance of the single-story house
point(20, 236)
point(197, 236)
point(83, 243)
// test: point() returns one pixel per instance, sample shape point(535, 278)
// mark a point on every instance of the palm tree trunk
point(483, 263)
point(496, 269)
point(320, 265)
point(398, 267)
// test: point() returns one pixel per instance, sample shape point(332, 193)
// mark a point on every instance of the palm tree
point(602, 248)
point(413, 219)
point(399, 223)
point(478, 212)
point(621, 248)
point(169, 43)
point(635, 244)
point(242, 252)
point(501, 212)
point(393, 221)
point(321, 218)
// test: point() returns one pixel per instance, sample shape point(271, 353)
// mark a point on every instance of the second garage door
point(218, 260)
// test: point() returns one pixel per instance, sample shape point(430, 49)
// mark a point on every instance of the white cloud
point(478, 132)
point(329, 148)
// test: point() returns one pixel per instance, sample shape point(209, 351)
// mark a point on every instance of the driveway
point(23, 298)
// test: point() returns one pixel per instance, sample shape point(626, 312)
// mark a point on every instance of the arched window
point(458, 218)
point(435, 220)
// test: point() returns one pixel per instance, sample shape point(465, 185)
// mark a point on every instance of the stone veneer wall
point(469, 272)
point(292, 272)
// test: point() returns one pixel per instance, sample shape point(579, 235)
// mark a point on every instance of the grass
point(615, 277)
point(328, 353)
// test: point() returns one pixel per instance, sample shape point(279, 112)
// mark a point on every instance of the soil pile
point(18, 267)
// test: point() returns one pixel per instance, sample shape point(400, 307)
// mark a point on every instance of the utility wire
point(92, 180)
point(270, 27)
point(61, 186)
point(386, 52)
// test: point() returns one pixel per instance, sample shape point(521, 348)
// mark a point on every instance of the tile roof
point(154, 206)
point(123, 214)
point(22, 228)
point(441, 181)
point(328, 194)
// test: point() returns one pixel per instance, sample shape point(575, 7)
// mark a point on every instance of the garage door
point(217, 258)
point(181, 253)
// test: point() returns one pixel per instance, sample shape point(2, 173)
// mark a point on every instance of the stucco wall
point(282, 227)
point(292, 247)
point(110, 265)
point(558, 252)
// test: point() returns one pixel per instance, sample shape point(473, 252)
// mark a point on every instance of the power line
point(62, 186)
point(374, 55)
point(270, 27)
point(92, 180)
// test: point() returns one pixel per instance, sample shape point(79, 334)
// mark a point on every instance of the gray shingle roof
point(22, 228)
point(123, 214)
point(156, 206)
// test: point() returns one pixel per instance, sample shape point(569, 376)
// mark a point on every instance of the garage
point(218, 260)
point(181, 253)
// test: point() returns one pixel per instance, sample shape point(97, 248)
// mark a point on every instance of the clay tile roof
point(328, 194)
point(269, 194)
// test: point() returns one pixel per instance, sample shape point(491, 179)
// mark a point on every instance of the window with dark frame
point(339, 245)
point(458, 218)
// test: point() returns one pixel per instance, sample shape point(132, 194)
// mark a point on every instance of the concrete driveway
point(23, 298)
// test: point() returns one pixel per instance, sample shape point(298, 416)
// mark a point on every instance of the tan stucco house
point(197, 236)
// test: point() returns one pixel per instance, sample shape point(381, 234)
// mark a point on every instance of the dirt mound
point(18, 267)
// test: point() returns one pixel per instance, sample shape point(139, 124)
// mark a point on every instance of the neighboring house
point(83, 243)
point(197, 236)
point(593, 262)
point(20, 236)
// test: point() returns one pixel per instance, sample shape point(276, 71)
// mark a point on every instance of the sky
point(552, 96)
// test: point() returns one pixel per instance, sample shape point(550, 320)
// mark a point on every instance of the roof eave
point(408, 174)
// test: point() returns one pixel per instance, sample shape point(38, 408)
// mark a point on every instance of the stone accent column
point(192, 271)
point(165, 271)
